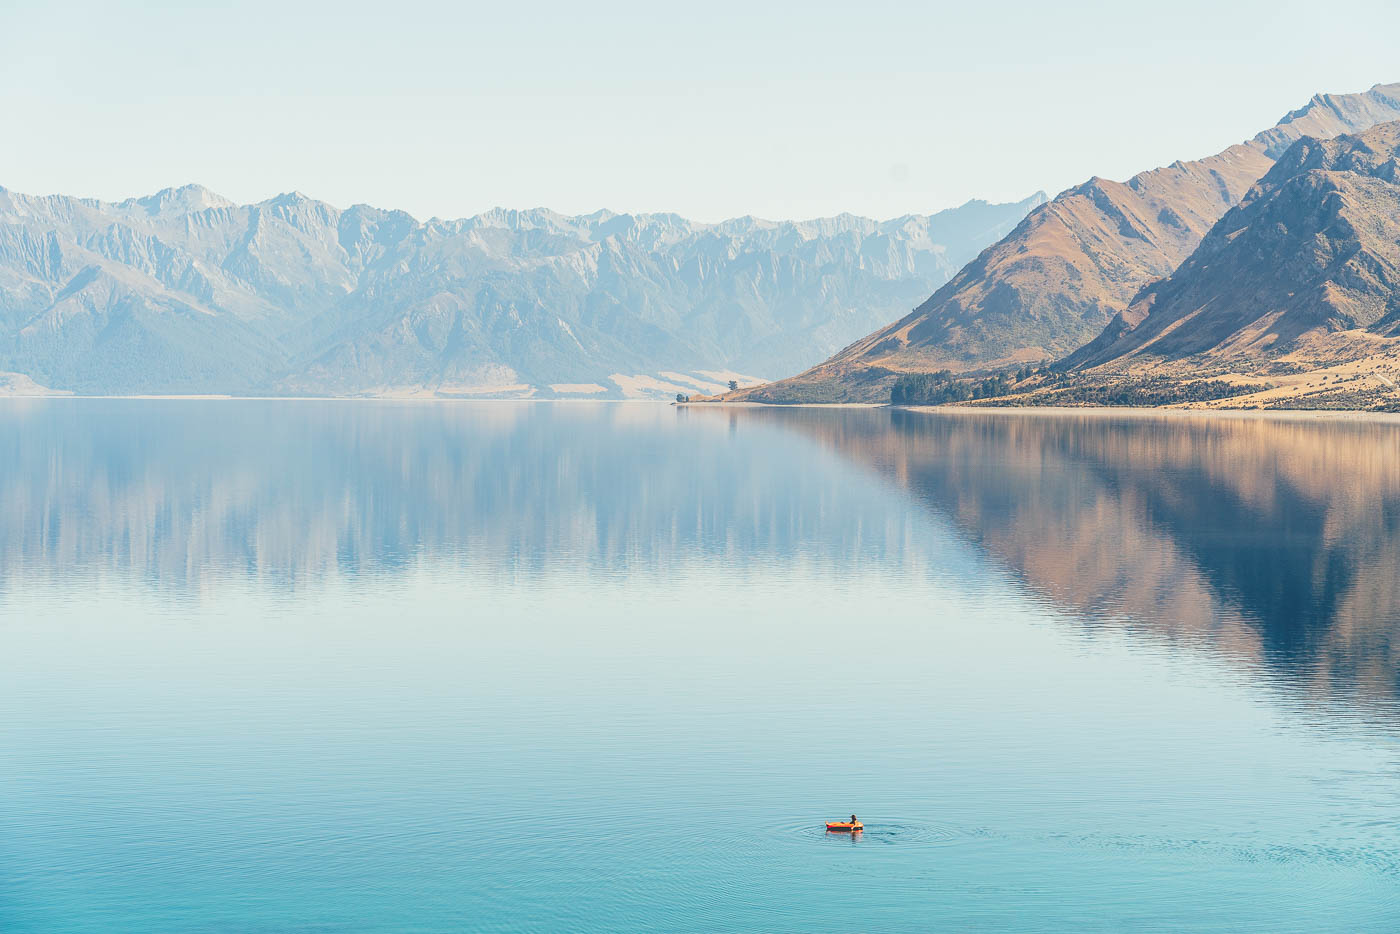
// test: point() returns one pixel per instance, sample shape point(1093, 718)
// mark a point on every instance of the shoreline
point(1094, 411)
point(1101, 411)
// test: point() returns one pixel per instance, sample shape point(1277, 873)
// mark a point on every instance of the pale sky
point(711, 109)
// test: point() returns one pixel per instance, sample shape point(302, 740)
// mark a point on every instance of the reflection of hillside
point(177, 491)
point(1275, 540)
point(1278, 540)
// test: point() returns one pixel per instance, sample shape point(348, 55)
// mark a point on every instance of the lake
point(418, 667)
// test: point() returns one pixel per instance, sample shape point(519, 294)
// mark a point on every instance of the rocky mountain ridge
point(1303, 275)
point(184, 291)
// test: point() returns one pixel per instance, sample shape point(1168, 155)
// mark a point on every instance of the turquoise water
point(307, 666)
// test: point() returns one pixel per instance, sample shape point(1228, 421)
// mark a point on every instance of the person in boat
point(853, 819)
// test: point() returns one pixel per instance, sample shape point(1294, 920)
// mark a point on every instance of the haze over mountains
point(1055, 282)
point(187, 292)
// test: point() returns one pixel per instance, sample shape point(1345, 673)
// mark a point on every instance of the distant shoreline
point(214, 397)
point(783, 405)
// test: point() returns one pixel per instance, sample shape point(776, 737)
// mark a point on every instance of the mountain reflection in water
point(291, 491)
point(1275, 539)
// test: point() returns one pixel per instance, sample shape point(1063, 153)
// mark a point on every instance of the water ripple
point(880, 832)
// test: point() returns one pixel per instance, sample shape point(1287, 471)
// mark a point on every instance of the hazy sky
point(712, 109)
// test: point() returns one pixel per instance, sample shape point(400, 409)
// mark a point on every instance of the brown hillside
point(1307, 266)
point(1056, 280)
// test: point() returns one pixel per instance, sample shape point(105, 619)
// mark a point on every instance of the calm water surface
point(303, 666)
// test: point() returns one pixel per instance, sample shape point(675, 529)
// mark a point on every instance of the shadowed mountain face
point(185, 292)
point(1056, 281)
point(1273, 541)
point(1309, 261)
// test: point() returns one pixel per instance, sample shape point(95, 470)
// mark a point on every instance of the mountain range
point(1079, 264)
point(1267, 275)
point(187, 292)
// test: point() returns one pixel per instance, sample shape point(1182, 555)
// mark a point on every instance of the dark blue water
point(303, 666)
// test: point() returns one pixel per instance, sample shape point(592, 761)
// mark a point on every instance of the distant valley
point(185, 292)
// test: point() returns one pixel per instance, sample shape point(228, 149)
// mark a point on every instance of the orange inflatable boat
point(844, 826)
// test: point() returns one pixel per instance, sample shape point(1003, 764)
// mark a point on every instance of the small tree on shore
point(733, 385)
point(682, 397)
